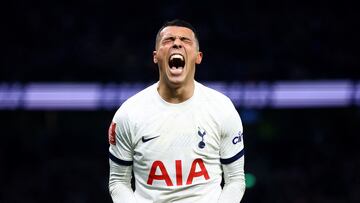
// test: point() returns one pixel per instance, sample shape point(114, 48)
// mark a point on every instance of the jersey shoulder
point(137, 102)
point(213, 96)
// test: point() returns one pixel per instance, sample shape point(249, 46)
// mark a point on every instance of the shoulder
point(136, 103)
point(141, 97)
point(213, 96)
point(219, 106)
point(216, 102)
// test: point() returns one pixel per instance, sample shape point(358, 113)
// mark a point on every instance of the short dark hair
point(179, 23)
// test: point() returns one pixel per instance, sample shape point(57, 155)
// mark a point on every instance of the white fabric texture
point(177, 149)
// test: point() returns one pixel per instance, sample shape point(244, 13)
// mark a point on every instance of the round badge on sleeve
point(112, 134)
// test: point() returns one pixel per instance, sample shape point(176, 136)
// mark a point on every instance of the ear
point(199, 57)
point(155, 57)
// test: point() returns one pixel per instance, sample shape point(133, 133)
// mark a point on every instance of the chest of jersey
point(177, 147)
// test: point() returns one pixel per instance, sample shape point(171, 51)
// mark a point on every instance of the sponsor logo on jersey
point(148, 139)
point(197, 170)
point(237, 138)
point(201, 133)
point(112, 134)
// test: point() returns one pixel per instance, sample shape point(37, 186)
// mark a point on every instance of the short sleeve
point(232, 144)
point(120, 150)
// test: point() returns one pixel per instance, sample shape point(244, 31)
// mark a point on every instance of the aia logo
point(112, 134)
point(164, 176)
point(237, 138)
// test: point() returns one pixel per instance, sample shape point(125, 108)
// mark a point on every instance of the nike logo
point(148, 139)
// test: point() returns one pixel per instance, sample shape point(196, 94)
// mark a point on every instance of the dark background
point(296, 155)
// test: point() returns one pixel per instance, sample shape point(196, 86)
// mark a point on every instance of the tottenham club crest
point(201, 133)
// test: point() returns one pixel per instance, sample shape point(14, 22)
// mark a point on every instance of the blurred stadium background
point(291, 68)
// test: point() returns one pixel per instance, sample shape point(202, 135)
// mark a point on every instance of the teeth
point(176, 56)
point(176, 61)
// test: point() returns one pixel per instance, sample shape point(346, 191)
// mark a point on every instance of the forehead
point(177, 31)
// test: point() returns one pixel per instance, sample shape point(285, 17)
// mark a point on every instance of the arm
point(232, 157)
point(120, 183)
point(234, 187)
point(120, 155)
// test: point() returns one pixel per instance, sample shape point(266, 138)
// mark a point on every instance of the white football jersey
point(177, 149)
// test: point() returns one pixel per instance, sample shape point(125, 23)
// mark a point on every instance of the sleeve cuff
point(119, 161)
point(232, 159)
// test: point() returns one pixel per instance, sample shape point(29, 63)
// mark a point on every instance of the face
point(176, 54)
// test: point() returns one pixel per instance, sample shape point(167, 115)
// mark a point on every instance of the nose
point(177, 43)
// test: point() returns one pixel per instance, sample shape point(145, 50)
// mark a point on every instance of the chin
point(175, 82)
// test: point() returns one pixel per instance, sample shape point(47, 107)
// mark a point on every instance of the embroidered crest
point(201, 133)
point(112, 134)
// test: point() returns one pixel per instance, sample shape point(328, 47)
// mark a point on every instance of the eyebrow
point(182, 37)
point(174, 37)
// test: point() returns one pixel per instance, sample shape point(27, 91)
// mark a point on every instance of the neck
point(176, 95)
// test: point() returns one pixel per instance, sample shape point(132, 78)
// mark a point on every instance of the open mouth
point(176, 61)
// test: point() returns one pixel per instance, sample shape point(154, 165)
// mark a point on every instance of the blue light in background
point(94, 96)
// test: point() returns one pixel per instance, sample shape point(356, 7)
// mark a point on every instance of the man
point(177, 135)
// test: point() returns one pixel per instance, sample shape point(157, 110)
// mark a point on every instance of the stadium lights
point(96, 96)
